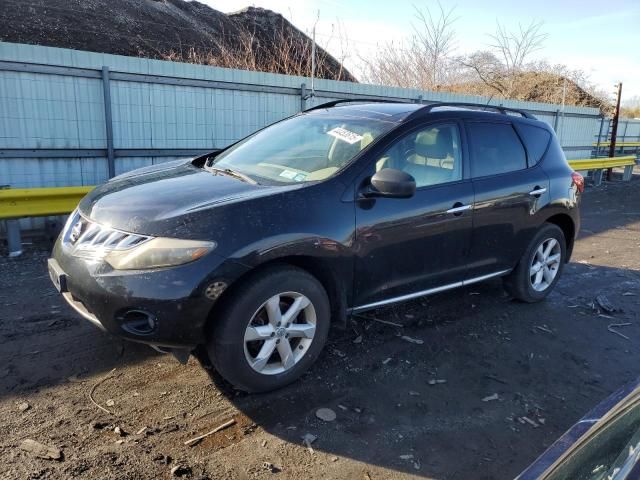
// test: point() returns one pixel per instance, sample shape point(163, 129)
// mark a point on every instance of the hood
point(165, 199)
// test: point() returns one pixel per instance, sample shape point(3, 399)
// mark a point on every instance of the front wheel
point(271, 330)
point(540, 267)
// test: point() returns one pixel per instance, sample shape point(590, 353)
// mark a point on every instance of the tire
point(522, 283)
point(238, 352)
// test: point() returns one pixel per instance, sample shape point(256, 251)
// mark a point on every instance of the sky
point(601, 37)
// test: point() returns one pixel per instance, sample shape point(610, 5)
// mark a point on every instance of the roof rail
point(333, 103)
point(480, 106)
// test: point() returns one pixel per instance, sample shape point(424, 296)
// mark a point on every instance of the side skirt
point(424, 293)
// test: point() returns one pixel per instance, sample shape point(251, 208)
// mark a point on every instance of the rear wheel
point(271, 330)
point(540, 267)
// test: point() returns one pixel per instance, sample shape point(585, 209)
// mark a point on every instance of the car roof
point(397, 112)
point(386, 111)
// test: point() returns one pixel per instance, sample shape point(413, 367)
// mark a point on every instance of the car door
point(404, 246)
point(508, 194)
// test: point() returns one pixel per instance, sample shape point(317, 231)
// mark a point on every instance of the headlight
point(159, 252)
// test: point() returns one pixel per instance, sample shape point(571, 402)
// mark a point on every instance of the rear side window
point(495, 148)
point(536, 140)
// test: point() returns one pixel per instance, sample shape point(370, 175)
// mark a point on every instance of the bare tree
point(421, 62)
point(436, 38)
point(501, 66)
point(516, 47)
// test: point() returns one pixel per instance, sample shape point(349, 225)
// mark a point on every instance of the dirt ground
point(404, 410)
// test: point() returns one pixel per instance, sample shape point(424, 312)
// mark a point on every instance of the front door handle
point(458, 208)
point(537, 191)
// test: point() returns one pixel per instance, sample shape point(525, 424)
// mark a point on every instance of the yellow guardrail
point(618, 144)
point(37, 202)
point(602, 163)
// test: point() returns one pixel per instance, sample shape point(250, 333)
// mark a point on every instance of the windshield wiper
point(233, 173)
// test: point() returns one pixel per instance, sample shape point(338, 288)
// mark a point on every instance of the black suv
point(251, 252)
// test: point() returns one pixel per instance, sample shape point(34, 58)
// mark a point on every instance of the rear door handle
point(458, 208)
point(537, 191)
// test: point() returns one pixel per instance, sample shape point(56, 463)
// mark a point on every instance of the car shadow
point(471, 384)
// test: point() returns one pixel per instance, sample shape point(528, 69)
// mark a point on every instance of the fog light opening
point(137, 322)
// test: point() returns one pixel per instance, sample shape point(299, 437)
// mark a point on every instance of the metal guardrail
point(602, 163)
point(618, 144)
point(599, 165)
point(39, 202)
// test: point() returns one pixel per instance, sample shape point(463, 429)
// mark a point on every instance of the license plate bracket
point(57, 275)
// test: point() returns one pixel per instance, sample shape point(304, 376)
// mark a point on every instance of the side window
point(495, 148)
point(431, 155)
point(536, 140)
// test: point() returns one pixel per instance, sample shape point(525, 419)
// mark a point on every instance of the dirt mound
point(546, 87)
point(179, 30)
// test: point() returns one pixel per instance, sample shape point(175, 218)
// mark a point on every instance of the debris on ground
point(491, 398)
point(119, 431)
point(23, 406)
point(604, 303)
point(406, 457)
point(524, 420)
point(308, 439)
point(338, 353)
point(180, 471)
point(413, 393)
point(543, 328)
point(93, 389)
point(436, 381)
point(271, 467)
point(378, 320)
point(613, 326)
point(326, 414)
point(197, 439)
point(496, 379)
point(358, 339)
point(386, 360)
point(41, 450)
point(110, 403)
point(417, 341)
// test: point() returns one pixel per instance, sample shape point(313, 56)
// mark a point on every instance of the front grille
point(90, 239)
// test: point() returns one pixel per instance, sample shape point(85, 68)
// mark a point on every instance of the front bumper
point(178, 300)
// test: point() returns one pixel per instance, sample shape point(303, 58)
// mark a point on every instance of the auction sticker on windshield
point(345, 135)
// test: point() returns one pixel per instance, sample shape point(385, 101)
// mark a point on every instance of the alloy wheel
point(545, 264)
point(280, 333)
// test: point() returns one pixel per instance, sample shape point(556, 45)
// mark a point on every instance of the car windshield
point(304, 148)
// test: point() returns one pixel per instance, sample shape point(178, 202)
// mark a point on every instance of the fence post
point(303, 97)
point(624, 135)
point(13, 237)
point(108, 120)
point(555, 121)
point(599, 136)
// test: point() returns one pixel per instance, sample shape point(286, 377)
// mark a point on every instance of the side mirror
point(391, 183)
